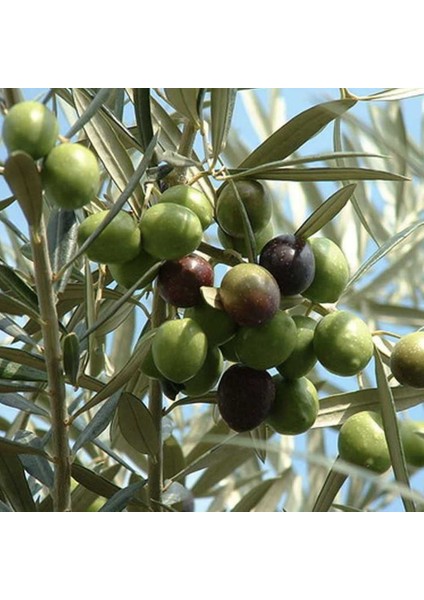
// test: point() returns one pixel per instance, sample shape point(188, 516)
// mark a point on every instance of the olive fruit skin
point(195, 200)
point(407, 360)
point(269, 344)
point(229, 350)
point(31, 127)
point(295, 407)
point(128, 273)
point(331, 271)
point(70, 176)
point(218, 326)
point(208, 375)
point(179, 281)
point(179, 349)
point(245, 397)
point(170, 231)
point(303, 358)
point(343, 343)
point(249, 294)
point(119, 242)
point(262, 237)
point(291, 261)
point(413, 443)
point(362, 442)
point(257, 203)
point(148, 366)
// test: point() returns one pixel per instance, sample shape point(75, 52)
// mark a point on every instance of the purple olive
point(179, 281)
point(291, 261)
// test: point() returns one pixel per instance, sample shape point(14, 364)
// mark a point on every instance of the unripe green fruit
point(295, 407)
point(31, 127)
point(343, 343)
point(412, 441)
point(229, 350)
point(170, 231)
point(239, 245)
point(268, 345)
point(119, 242)
point(71, 176)
point(218, 326)
point(128, 273)
point(207, 376)
point(303, 358)
point(362, 442)
point(256, 202)
point(195, 200)
point(148, 366)
point(331, 271)
point(407, 360)
point(179, 349)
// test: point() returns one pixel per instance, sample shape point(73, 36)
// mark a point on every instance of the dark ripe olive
point(291, 261)
point(245, 397)
point(179, 281)
point(249, 294)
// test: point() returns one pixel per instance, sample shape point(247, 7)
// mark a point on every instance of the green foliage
point(132, 447)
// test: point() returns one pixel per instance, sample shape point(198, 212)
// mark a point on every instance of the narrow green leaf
point(296, 132)
point(320, 174)
point(265, 496)
point(391, 429)
point(62, 230)
point(222, 108)
point(21, 403)
point(393, 94)
point(24, 180)
point(332, 485)
point(326, 212)
point(335, 409)
point(119, 501)
point(390, 245)
point(107, 145)
point(219, 464)
point(93, 481)
point(14, 484)
point(93, 107)
point(17, 372)
point(136, 425)
point(143, 115)
point(6, 202)
point(10, 327)
point(9, 447)
point(97, 424)
point(71, 357)
point(36, 465)
point(10, 281)
point(185, 100)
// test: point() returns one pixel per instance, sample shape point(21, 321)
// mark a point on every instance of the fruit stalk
point(155, 467)
point(55, 374)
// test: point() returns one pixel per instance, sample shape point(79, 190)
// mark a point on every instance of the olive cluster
point(70, 171)
point(249, 326)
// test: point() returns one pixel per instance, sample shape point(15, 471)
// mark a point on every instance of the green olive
point(407, 360)
point(119, 242)
point(217, 324)
point(295, 407)
point(128, 273)
point(262, 237)
point(362, 442)
point(71, 176)
point(412, 434)
point(170, 231)
point(303, 358)
point(269, 344)
point(257, 203)
point(195, 200)
point(179, 349)
point(331, 271)
point(208, 375)
point(30, 127)
point(343, 343)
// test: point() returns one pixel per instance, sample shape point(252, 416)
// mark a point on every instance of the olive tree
point(200, 316)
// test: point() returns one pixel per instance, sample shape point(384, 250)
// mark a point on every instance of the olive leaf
point(222, 108)
point(24, 180)
point(136, 424)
